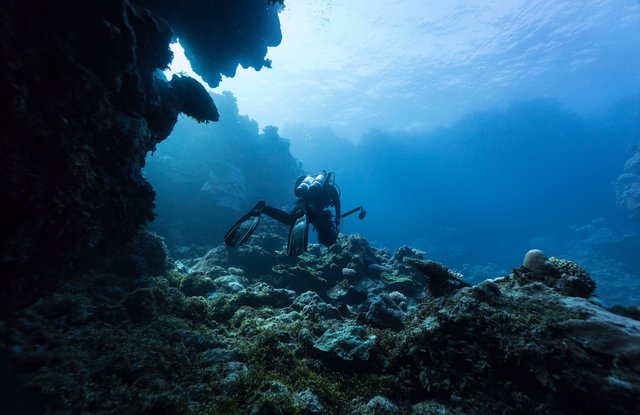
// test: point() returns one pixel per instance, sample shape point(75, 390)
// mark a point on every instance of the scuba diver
point(314, 195)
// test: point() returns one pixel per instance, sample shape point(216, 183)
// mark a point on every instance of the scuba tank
point(303, 188)
point(311, 187)
point(318, 183)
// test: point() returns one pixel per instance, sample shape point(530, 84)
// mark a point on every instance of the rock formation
point(82, 105)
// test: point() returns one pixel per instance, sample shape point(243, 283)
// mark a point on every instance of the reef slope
point(351, 329)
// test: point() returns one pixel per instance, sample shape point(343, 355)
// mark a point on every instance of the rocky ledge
point(83, 102)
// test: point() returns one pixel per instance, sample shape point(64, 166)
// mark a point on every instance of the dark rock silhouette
point(219, 35)
point(81, 108)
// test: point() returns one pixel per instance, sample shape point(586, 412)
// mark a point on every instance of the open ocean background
point(474, 133)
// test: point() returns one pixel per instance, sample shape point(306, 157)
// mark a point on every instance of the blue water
point(479, 194)
point(475, 195)
point(474, 132)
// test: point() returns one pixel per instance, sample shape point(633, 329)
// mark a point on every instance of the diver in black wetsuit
point(315, 194)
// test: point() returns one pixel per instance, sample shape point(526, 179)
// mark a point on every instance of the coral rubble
point(216, 338)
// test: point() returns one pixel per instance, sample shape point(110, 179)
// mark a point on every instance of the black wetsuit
point(317, 213)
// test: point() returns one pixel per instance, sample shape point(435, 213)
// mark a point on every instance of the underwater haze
point(171, 172)
point(472, 132)
point(416, 64)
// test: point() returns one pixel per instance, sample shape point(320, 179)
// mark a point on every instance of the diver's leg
point(327, 232)
point(279, 215)
point(288, 218)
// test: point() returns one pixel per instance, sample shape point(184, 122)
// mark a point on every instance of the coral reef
point(109, 342)
point(562, 275)
point(196, 284)
point(537, 262)
point(345, 329)
point(573, 281)
point(82, 105)
point(440, 279)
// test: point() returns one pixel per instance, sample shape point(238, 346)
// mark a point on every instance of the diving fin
point(244, 227)
point(298, 236)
